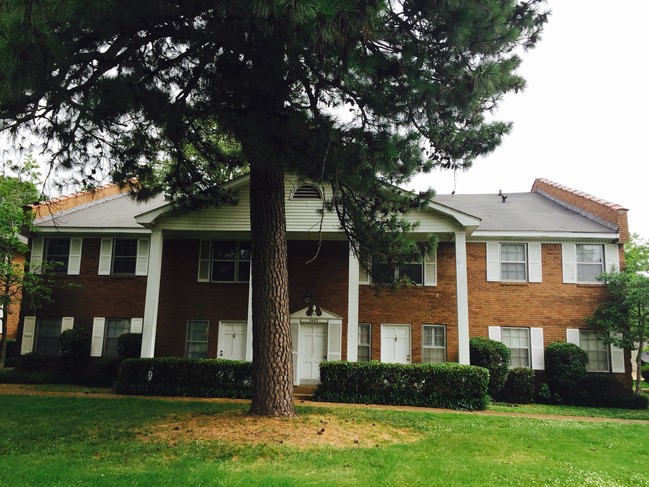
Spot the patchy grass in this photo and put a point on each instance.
(89, 440)
(552, 410)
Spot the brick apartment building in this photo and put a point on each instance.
(519, 269)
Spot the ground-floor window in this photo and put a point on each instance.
(598, 351)
(518, 342)
(197, 332)
(364, 342)
(48, 331)
(115, 327)
(433, 343)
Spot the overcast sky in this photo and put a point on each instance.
(582, 120)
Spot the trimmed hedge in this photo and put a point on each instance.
(447, 385)
(129, 345)
(493, 356)
(185, 377)
(519, 387)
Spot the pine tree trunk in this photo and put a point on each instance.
(272, 362)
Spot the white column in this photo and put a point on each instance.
(249, 325)
(462, 294)
(352, 308)
(150, 322)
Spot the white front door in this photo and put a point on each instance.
(232, 340)
(313, 351)
(395, 344)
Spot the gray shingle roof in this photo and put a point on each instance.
(522, 212)
(117, 212)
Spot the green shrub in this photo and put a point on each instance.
(129, 345)
(602, 390)
(644, 371)
(74, 349)
(32, 362)
(170, 376)
(447, 385)
(493, 356)
(519, 387)
(565, 366)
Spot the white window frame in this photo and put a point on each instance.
(433, 346)
(503, 262)
(593, 336)
(533, 264)
(206, 262)
(189, 342)
(536, 351)
(365, 345)
(610, 255)
(428, 271)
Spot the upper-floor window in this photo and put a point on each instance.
(364, 342)
(124, 256)
(584, 262)
(57, 253)
(514, 261)
(423, 272)
(590, 262)
(63, 255)
(224, 261)
(433, 343)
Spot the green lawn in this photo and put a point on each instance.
(62, 441)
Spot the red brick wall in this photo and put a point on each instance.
(597, 207)
(89, 295)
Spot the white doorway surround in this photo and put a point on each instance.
(395, 344)
(232, 340)
(315, 339)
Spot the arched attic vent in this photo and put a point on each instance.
(307, 192)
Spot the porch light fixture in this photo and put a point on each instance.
(307, 296)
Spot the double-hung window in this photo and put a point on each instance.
(57, 253)
(224, 261)
(124, 255)
(106, 333)
(598, 351)
(197, 333)
(590, 262)
(115, 327)
(48, 331)
(423, 272)
(62, 254)
(364, 342)
(433, 343)
(513, 262)
(518, 342)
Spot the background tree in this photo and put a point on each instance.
(361, 94)
(17, 188)
(625, 315)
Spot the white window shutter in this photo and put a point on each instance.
(136, 325)
(97, 341)
(617, 358)
(538, 356)
(36, 265)
(493, 261)
(430, 269)
(105, 256)
(67, 323)
(335, 341)
(74, 257)
(569, 262)
(204, 260)
(295, 328)
(495, 333)
(572, 336)
(29, 327)
(611, 258)
(535, 273)
(142, 263)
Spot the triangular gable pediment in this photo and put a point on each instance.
(326, 315)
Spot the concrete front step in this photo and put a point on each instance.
(303, 392)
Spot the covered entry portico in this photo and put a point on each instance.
(315, 339)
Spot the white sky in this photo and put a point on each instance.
(583, 119)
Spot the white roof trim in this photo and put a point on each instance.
(552, 235)
(92, 230)
(463, 219)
